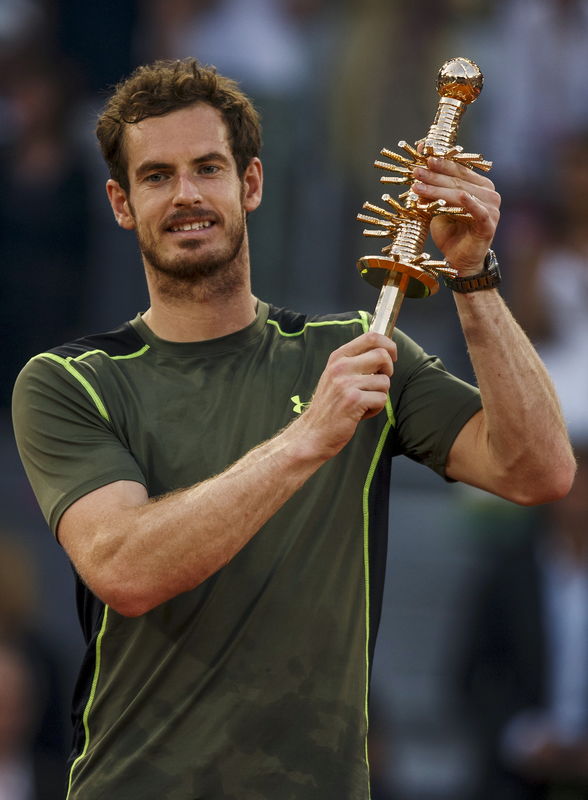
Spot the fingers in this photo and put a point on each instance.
(445, 166)
(374, 362)
(377, 382)
(462, 241)
(360, 372)
(373, 403)
(366, 343)
(443, 179)
(484, 221)
(353, 386)
(342, 401)
(355, 370)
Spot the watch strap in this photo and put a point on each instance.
(488, 278)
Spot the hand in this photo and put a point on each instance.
(354, 386)
(464, 243)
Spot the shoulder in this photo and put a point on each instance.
(67, 359)
(71, 372)
(344, 325)
(117, 343)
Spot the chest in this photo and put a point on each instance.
(187, 419)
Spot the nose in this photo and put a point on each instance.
(187, 191)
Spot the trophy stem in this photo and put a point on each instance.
(410, 237)
(387, 308)
(443, 132)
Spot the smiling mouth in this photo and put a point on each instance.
(190, 226)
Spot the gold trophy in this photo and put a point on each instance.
(403, 269)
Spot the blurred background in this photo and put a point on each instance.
(480, 685)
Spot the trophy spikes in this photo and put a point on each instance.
(403, 269)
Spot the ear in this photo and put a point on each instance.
(252, 185)
(120, 205)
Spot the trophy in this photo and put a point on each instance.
(403, 269)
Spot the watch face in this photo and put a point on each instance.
(491, 262)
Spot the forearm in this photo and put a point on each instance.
(517, 446)
(157, 549)
(524, 433)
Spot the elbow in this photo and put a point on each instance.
(130, 607)
(134, 593)
(121, 581)
(122, 589)
(547, 485)
(130, 580)
(125, 598)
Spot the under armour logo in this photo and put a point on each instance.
(299, 406)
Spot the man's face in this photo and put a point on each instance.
(186, 201)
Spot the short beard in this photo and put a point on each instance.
(188, 277)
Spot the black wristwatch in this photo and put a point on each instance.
(489, 278)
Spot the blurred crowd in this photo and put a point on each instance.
(335, 82)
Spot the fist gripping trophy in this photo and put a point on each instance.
(403, 269)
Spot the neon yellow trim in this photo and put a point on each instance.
(365, 323)
(90, 698)
(113, 358)
(366, 560)
(66, 363)
(389, 410)
(314, 325)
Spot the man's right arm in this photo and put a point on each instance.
(135, 552)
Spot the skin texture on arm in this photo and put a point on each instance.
(517, 447)
(136, 552)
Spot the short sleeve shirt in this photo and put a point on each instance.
(254, 684)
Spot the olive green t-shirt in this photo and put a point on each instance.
(253, 686)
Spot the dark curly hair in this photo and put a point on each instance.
(164, 86)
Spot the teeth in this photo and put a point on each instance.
(192, 226)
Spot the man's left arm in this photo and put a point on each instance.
(517, 447)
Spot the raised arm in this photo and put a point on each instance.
(135, 553)
(517, 446)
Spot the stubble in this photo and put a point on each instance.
(197, 273)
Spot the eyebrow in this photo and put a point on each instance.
(153, 166)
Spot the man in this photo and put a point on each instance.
(217, 469)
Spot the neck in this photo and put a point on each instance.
(218, 306)
(197, 319)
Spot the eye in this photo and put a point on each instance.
(209, 169)
(155, 177)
